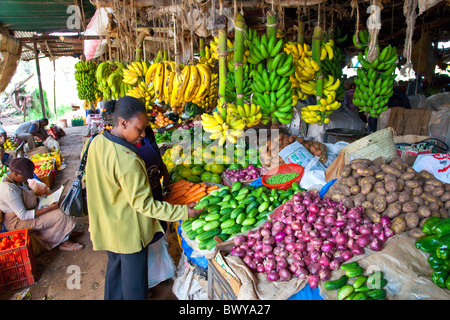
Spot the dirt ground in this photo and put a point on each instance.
(55, 268)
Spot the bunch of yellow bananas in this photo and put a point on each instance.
(250, 114)
(135, 70)
(230, 48)
(210, 101)
(327, 50)
(319, 113)
(143, 92)
(222, 130)
(210, 57)
(304, 70)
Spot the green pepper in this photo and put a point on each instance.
(442, 227)
(437, 263)
(443, 253)
(440, 278)
(429, 224)
(428, 243)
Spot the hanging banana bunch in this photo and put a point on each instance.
(211, 57)
(85, 72)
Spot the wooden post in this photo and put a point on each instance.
(54, 89)
(38, 70)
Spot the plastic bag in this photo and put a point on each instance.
(51, 144)
(39, 188)
(438, 164)
(160, 263)
(314, 176)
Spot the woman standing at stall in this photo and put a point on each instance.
(123, 214)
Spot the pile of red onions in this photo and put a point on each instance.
(251, 172)
(309, 238)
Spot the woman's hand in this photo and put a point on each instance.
(193, 212)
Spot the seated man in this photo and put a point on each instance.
(28, 130)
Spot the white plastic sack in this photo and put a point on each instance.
(160, 263)
(185, 286)
(438, 164)
(39, 188)
(314, 176)
(51, 144)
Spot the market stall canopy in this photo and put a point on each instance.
(35, 21)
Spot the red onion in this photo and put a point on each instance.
(237, 252)
(280, 236)
(260, 268)
(278, 226)
(297, 255)
(365, 229)
(301, 273)
(288, 229)
(267, 248)
(252, 265)
(269, 240)
(289, 238)
(291, 247)
(329, 220)
(319, 226)
(389, 232)
(307, 260)
(341, 238)
(327, 246)
(377, 229)
(324, 274)
(363, 240)
(297, 197)
(357, 249)
(313, 208)
(282, 263)
(347, 255)
(311, 218)
(385, 221)
(307, 227)
(382, 236)
(324, 261)
(296, 225)
(265, 232)
(340, 223)
(238, 240)
(258, 246)
(315, 255)
(251, 242)
(314, 233)
(354, 214)
(316, 242)
(301, 246)
(267, 225)
(376, 244)
(334, 265)
(273, 276)
(314, 268)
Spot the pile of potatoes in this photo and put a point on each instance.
(270, 157)
(395, 190)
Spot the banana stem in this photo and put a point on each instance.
(202, 46)
(223, 64)
(239, 58)
(301, 32)
(316, 48)
(142, 36)
(271, 24)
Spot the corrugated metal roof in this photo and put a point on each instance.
(41, 15)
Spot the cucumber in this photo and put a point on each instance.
(376, 276)
(202, 215)
(222, 193)
(377, 285)
(187, 225)
(201, 204)
(354, 272)
(248, 221)
(208, 234)
(225, 217)
(235, 229)
(335, 284)
(213, 208)
(224, 211)
(212, 216)
(345, 291)
(224, 204)
(227, 224)
(236, 186)
(197, 224)
(234, 204)
(264, 197)
(236, 212)
(376, 294)
(191, 235)
(240, 218)
(214, 200)
(350, 296)
(245, 228)
(361, 280)
(360, 296)
(253, 213)
(227, 198)
(262, 215)
(251, 206)
(263, 206)
(363, 288)
(240, 197)
(223, 236)
(207, 244)
(249, 200)
(211, 225)
(349, 265)
(244, 190)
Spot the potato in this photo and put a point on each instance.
(379, 188)
(371, 196)
(350, 182)
(438, 191)
(366, 180)
(409, 206)
(391, 185)
(393, 209)
(443, 212)
(345, 190)
(433, 206)
(408, 175)
(426, 175)
(416, 233)
(413, 183)
(374, 168)
(390, 169)
(424, 211)
(373, 215)
(379, 204)
(365, 172)
(389, 177)
(380, 175)
(391, 197)
(366, 188)
(447, 204)
(412, 220)
(418, 200)
(417, 191)
(445, 196)
(367, 205)
(435, 182)
(429, 197)
(398, 224)
(355, 189)
(447, 187)
(404, 196)
(346, 171)
(337, 197)
(358, 199)
(428, 188)
(348, 202)
(359, 165)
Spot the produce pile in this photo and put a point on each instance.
(392, 190)
(44, 169)
(309, 237)
(232, 210)
(436, 242)
(185, 192)
(11, 242)
(3, 171)
(12, 143)
(86, 81)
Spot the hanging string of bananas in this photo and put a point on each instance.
(86, 81)
(109, 77)
(211, 57)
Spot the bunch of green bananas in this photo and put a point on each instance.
(86, 82)
(230, 93)
(262, 48)
(109, 76)
(374, 82)
(210, 58)
(361, 39)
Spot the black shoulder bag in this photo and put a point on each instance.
(75, 204)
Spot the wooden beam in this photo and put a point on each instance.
(38, 70)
